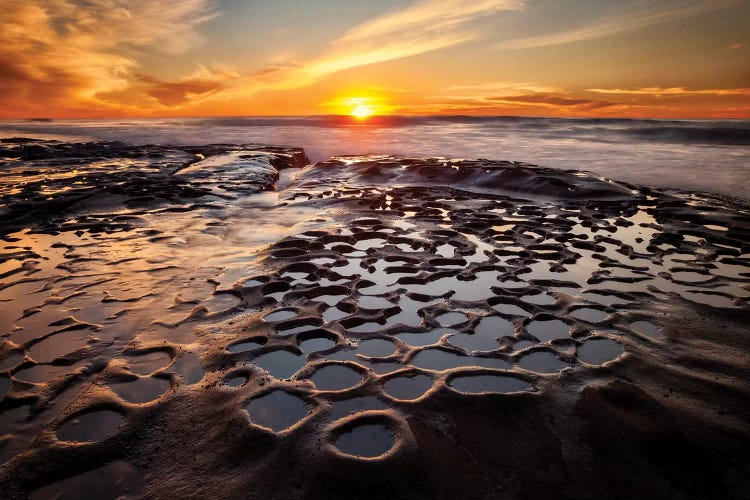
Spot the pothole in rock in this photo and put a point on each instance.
(316, 344)
(646, 328)
(237, 381)
(374, 303)
(11, 362)
(90, 427)
(335, 378)
(438, 359)
(5, 385)
(277, 410)
(333, 314)
(589, 314)
(115, 480)
(280, 363)
(494, 326)
(142, 390)
(331, 300)
(451, 318)
(188, 367)
(376, 348)
(474, 342)
(39, 374)
(57, 345)
(488, 384)
(604, 299)
(247, 345)
(343, 408)
(367, 441)
(408, 387)
(546, 330)
(540, 299)
(280, 315)
(599, 351)
(510, 310)
(146, 364)
(541, 362)
(424, 339)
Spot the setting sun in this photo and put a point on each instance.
(360, 107)
(362, 111)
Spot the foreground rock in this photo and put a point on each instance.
(382, 327)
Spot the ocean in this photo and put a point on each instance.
(700, 155)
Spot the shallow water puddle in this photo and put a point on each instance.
(115, 480)
(599, 351)
(376, 348)
(316, 344)
(11, 361)
(5, 385)
(546, 330)
(335, 378)
(374, 303)
(438, 359)
(280, 315)
(89, 427)
(44, 373)
(146, 364)
(333, 314)
(57, 345)
(188, 368)
(423, 339)
(589, 314)
(368, 441)
(481, 384)
(342, 408)
(238, 381)
(646, 328)
(408, 387)
(541, 362)
(142, 390)
(451, 318)
(247, 345)
(280, 363)
(510, 310)
(540, 299)
(277, 410)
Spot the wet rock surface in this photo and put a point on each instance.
(374, 326)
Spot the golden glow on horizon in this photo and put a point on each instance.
(358, 107)
(409, 57)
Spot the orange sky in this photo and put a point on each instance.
(618, 58)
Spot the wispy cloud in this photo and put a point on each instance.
(636, 15)
(191, 89)
(64, 54)
(430, 16)
(506, 96)
(673, 91)
(425, 26)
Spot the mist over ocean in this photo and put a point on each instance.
(702, 155)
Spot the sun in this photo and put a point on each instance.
(360, 107)
(362, 111)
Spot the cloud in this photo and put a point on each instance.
(425, 26)
(63, 54)
(672, 91)
(202, 83)
(509, 96)
(636, 15)
(429, 15)
(556, 101)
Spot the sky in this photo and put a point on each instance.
(596, 58)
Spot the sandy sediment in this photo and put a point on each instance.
(173, 325)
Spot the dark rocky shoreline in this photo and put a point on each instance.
(173, 325)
